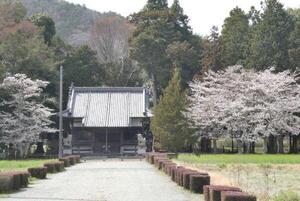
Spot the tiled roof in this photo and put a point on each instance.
(107, 107)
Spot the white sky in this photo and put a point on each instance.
(203, 13)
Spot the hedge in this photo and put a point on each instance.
(13, 180)
(54, 167)
(215, 192)
(178, 172)
(50, 167)
(24, 178)
(173, 172)
(66, 161)
(161, 163)
(72, 160)
(167, 166)
(77, 158)
(6, 183)
(236, 196)
(186, 178)
(198, 181)
(38, 172)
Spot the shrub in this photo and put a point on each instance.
(206, 192)
(24, 176)
(162, 162)
(197, 181)
(167, 167)
(151, 159)
(287, 196)
(173, 172)
(59, 166)
(72, 160)
(16, 180)
(77, 158)
(186, 178)
(6, 183)
(178, 172)
(236, 196)
(180, 176)
(157, 160)
(38, 172)
(66, 161)
(215, 191)
(50, 167)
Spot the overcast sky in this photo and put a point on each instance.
(203, 13)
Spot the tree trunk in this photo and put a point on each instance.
(290, 144)
(214, 144)
(154, 89)
(232, 146)
(240, 146)
(295, 144)
(205, 145)
(245, 147)
(252, 147)
(272, 145)
(280, 144)
(265, 145)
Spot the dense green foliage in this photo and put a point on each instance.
(234, 37)
(169, 125)
(257, 39)
(269, 41)
(24, 51)
(294, 40)
(161, 33)
(46, 24)
(239, 159)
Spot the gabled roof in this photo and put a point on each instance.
(107, 106)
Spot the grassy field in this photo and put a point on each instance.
(240, 159)
(262, 175)
(8, 165)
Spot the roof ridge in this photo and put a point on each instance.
(108, 89)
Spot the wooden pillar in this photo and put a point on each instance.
(121, 139)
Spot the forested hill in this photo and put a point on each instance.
(73, 22)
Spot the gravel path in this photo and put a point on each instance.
(110, 180)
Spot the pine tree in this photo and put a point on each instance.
(181, 20)
(169, 125)
(269, 43)
(159, 35)
(294, 40)
(156, 5)
(234, 37)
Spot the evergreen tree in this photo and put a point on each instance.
(181, 20)
(26, 53)
(156, 5)
(294, 40)
(211, 58)
(269, 43)
(160, 33)
(82, 68)
(46, 24)
(169, 125)
(234, 37)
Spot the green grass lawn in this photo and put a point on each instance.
(8, 165)
(240, 158)
(262, 175)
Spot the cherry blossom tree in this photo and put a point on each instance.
(23, 116)
(245, 105)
